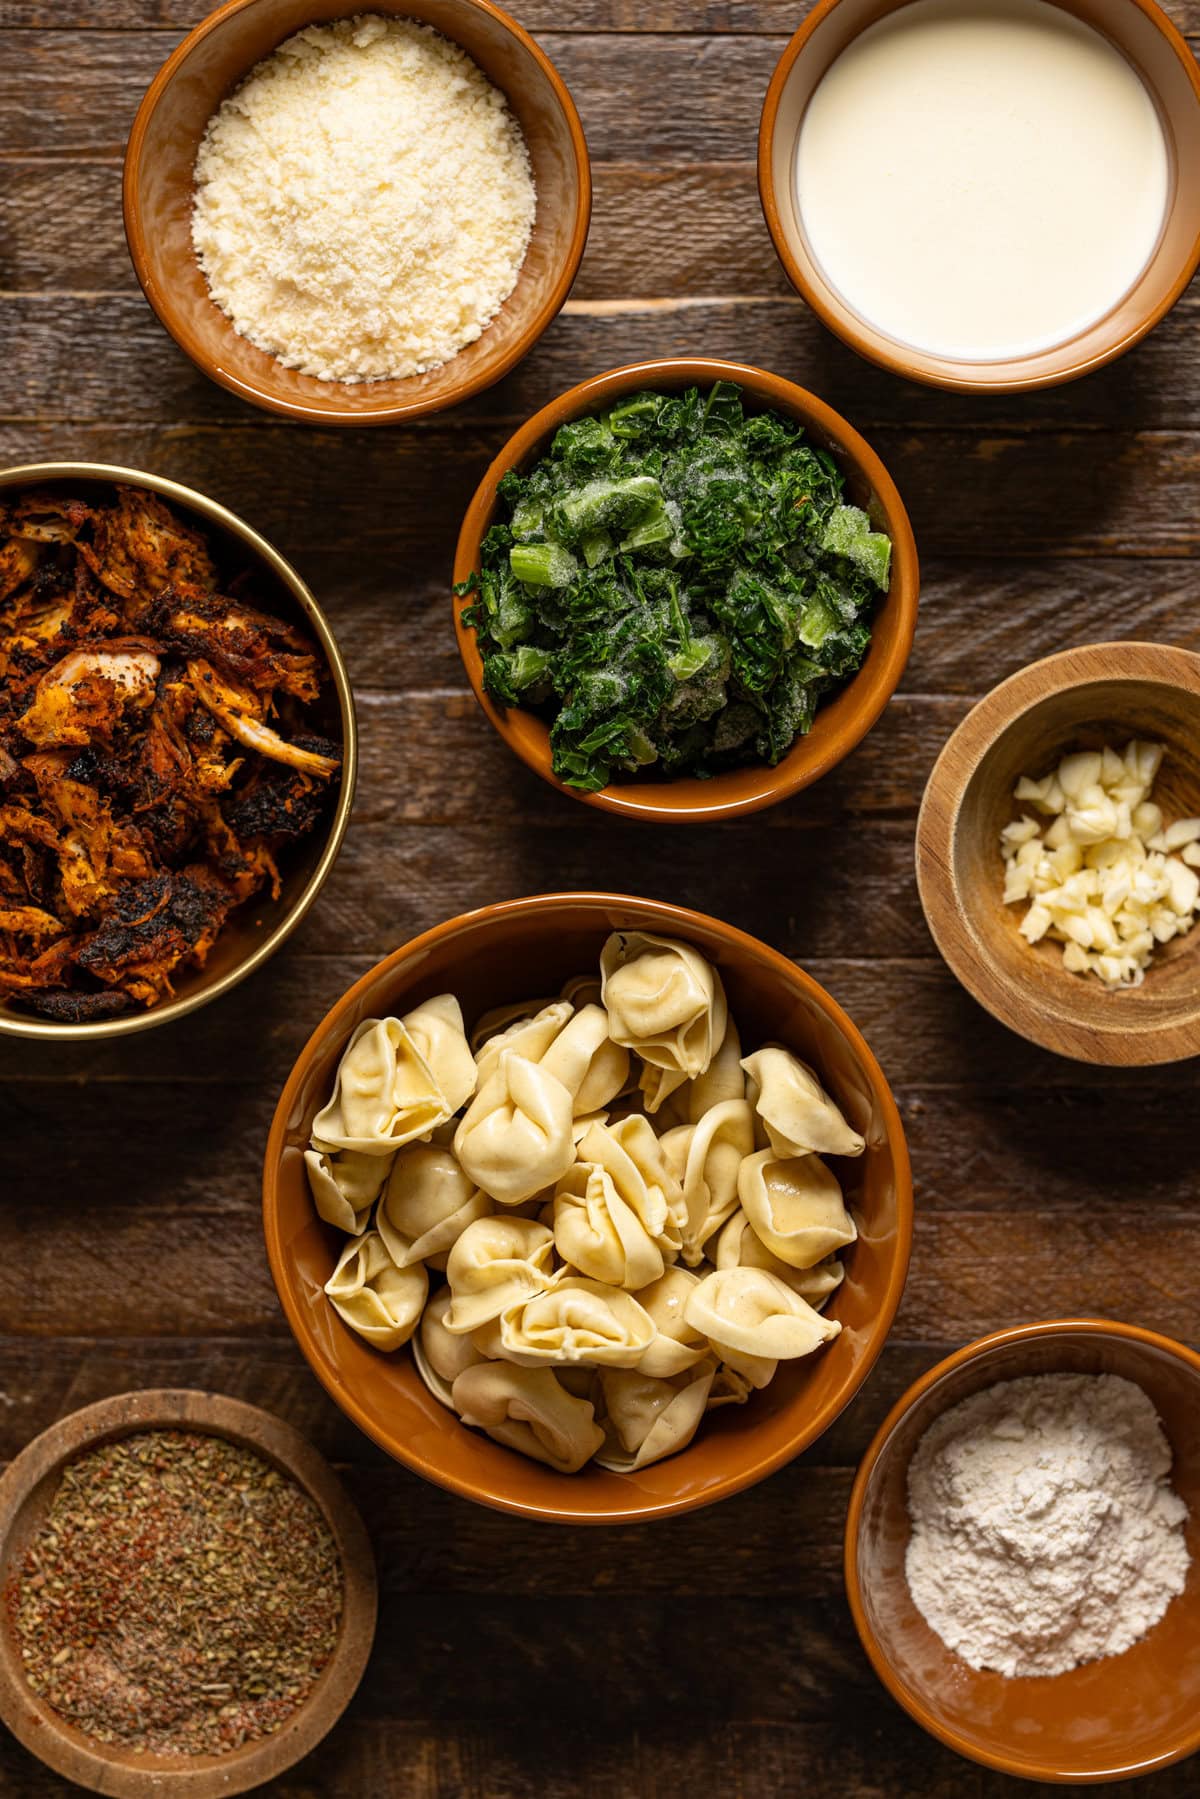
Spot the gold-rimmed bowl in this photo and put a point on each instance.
(158, 190)
(256, 930)
(1147, 40)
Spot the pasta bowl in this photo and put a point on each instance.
(1111, 1719)
(158, 187)
(506, 953)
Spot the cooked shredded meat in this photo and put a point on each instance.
(155, 757)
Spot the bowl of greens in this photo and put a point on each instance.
(685, 589)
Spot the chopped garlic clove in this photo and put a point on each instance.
(1147, 819)
(1035, 924)
(1079, 772)
(1184, 830)
(1191, 854)
(1183, 886)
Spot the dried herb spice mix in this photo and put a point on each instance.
(181, 1597)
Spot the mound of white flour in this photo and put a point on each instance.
(1045, 1532)
(364, 201)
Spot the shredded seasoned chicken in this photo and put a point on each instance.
(155, 759)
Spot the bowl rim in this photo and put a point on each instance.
(1017, 696)
(176, 325)
(31, 474)
(885, 1668)
(68, 1752)
(889, 353)
(629, 799)
(666, 916)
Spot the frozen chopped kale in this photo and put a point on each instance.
(676, 587)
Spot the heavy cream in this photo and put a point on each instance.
(981, 181)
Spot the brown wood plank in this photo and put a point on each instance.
(969, 492)
(79, 91)
(134, 374)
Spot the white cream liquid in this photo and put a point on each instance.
(981, 180)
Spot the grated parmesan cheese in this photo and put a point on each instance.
(364, 201)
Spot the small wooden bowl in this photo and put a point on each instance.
(1107, 1720)
(508, 952)
(161, 155)
(1104, 693)
(27, 1490)
(841, 722)
(1148, 40)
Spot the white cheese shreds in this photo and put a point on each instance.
(1105, 877)
(364, 201)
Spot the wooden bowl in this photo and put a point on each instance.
(841, 723)
(509, 952)
(256, 929)
(1080, 699)
(1107, 1720)
(160, 158)
(27, 1490)
(1149, 41)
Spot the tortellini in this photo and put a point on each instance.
(527, 1409)
(754, 1321)
(516, 1137)
(647, 1418)
(620, 1255)
(496, 1263)
(381, 1302)
(795, 1206)
(798, 1115)
(386, 1092)
(667, 1003)
(427, 1204)
(579, 1320)
(345, 1187)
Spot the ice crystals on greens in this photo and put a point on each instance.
(677, 586)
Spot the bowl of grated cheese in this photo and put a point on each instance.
(356, 219)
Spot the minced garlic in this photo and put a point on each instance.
(1106, 877)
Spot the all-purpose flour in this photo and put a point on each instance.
(1045, 1532)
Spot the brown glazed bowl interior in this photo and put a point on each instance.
(161, 154)
(1146, 37)
(1080, 699)
(841, 722)
(28, 1489)
(255, 930)
(515, 951)
(1106, 1720)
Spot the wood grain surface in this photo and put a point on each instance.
(713, 1654)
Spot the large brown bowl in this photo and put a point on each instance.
(1147, 38)
(27, 1491)
(509, 952)
(256, 930)
(161, 155)
(1107, 1720)
(1101, 693)
(841, 723)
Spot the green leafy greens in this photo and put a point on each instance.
(677, 586)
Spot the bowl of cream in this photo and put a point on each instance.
(987, 195)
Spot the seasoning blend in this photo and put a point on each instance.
(180, 1598)
(981, 179)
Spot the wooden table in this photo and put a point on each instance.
(711, 1656)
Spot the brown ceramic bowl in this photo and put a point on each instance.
(27, 1490)
(256, 930)
(1149, 41)
(530, 946)
(1107, 1720)
(1079, 699)
(161, 154)
(842, 722)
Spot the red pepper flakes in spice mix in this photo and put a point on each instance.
(181, 1597)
